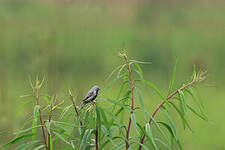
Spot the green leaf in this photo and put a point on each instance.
(116, 103)
(158, 127)
(109, 140)
(119, 145)
(65, 110)
(61, 137)
(28, 129)
(39, 147)
(109, 85)
(183, 103)
(156, 90)
(146, 148)
(173, 77)
(64, 124)
(63, 132)
(163, 143)
(35, 119)
(48, 126)
(141, 101)
(150, 136)
(120, 70)
(51, 144)
(98, 121)
(194, 73)
(119, 111)
(85, 139)
(86, 120)
(24, 125)
(17, 139)
(140, 62)
(169, 128)
(20, 107)
(184, 121)
(197, 102)
(121, 89)
(196, 113)
(141, 128)
(133, 120)
(117, 68)
(26, 145)
(114, 117)
(140, 72)
(171, 123)
(105, 120)
(140, 98)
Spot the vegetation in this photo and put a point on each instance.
(111, 121)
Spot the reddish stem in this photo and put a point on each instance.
(132, 100)
(160, 105)
(96, 137)
(74, 106)
(41, 121)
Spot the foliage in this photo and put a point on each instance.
(114, 125)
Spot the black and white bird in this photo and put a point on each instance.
(91, 95)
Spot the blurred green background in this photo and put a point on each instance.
(76, 43)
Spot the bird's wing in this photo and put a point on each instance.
(89, 94)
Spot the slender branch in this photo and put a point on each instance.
(161, 104)
(96, 136)
(131, 83)
(49, 135)
(40, 117)
(75, 108)
(49, 119)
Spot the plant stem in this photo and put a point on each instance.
(131, 83)
(96, 136)
(40, 117)
(49, 135)
(161, 104)
(75, 108)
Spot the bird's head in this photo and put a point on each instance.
(96, 88)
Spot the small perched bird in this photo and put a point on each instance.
(91, 95)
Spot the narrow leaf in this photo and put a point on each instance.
(150, 136)
(140, 72)
(196, 113)
(35, 119)
(98, 121)
(62, 138)
(105, 120)
(184, 121)
(39, 147)
(171, 123)
(26, 145)
(119, 146)
(17, 139)
(197, 102)
(183, 103)
(163, 143)
(85, 139)
(194, 72)
(133, 120)
(156, 90)
(28, 129)
(173, 77)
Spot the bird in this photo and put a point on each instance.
(91, 95)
